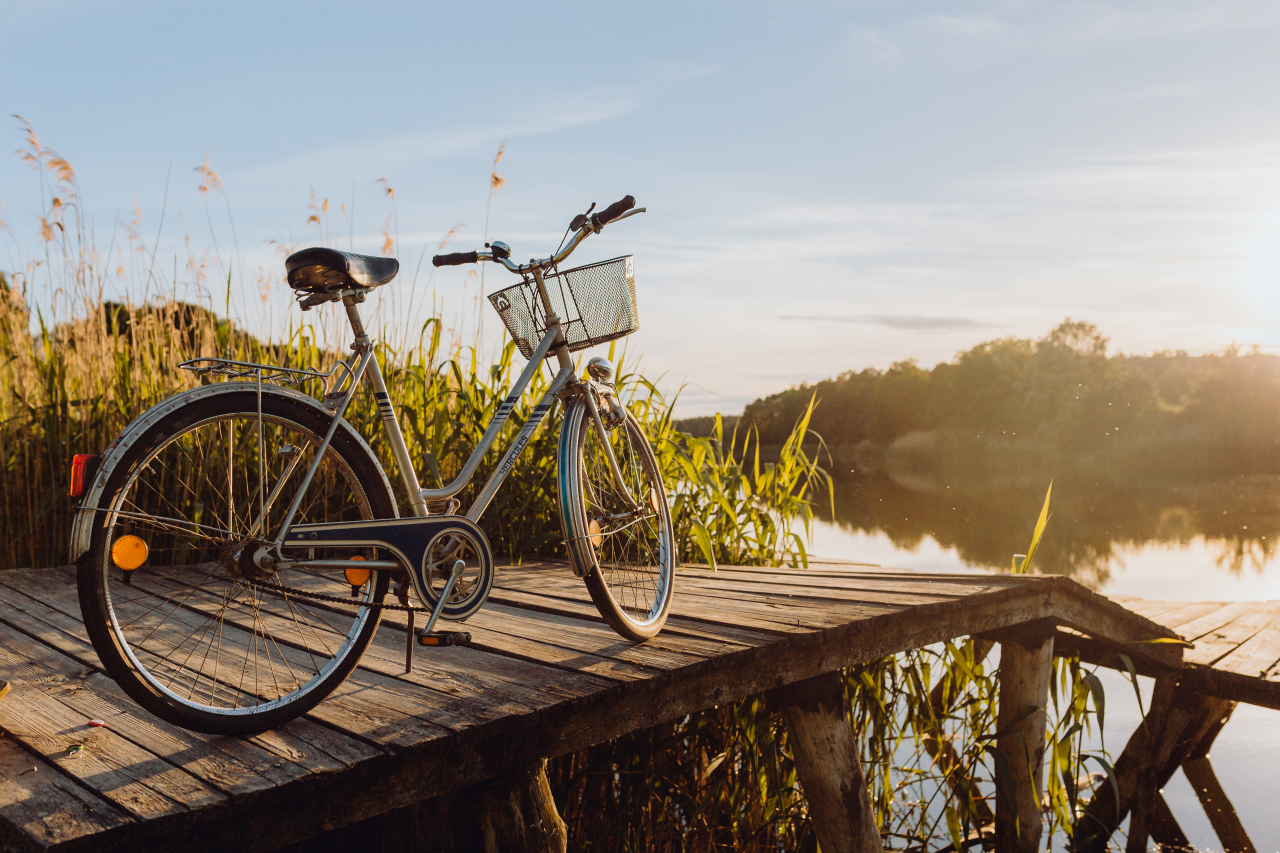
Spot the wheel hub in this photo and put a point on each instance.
(253, 563)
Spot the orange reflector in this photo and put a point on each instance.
(595, 534)
(357, 577)
(83, 467)
(129, 552)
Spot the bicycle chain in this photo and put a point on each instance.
(320, 596)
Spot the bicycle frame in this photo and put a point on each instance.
(367, 365)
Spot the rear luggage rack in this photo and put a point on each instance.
(334, 378)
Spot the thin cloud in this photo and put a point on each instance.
(410, 149)
(900, 321)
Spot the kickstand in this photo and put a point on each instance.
(402, 595)
(408, 647)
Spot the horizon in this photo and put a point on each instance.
(842, 185)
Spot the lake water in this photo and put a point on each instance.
(1169, 571)
(1188, 542)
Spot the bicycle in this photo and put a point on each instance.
(235, 543)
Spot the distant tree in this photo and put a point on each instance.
(1062, 391)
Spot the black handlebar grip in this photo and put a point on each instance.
(613, 211)
(455, 259)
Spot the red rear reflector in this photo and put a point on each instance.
(83, 467)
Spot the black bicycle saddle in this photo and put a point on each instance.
(320, 270)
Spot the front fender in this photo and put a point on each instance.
(81, 525)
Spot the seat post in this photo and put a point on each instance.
(353, 314)
(412, 486)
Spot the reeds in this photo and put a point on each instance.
(74, 373)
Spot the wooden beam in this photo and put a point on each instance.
(1098, 616)
(514, 813)
(1026, 668)
(1222, 815)
(827, 764)
(1164, 826)
(1146, 765)
(1162, 731)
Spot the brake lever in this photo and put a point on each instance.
(581, 219)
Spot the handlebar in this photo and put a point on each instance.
(455, 259)
(588, 225)
(613, 211)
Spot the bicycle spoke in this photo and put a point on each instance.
(198, 629)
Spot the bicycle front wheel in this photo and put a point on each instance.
(185, 623)
(620, 543)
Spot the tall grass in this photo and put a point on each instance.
(74, 372)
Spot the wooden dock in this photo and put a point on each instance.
(544, 676)
(1236, 645)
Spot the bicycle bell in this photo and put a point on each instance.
(600, 369)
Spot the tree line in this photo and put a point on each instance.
(1059, 395)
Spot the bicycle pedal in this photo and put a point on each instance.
(443, 638)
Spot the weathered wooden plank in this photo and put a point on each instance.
(496, 627)
(1256, 657)
(1216, 644)
(407, 713)
(752, 609)
(1262, 692)
(784, 590)
(369, 706)
(993, 578)
(1153, 609)
(1213, 620)
(135, 780)
(730, 612)
(949, 585)
(41, 808)
(838, 578)
(229, 765)
(677, 625)
(570, 597)
(466, 686)
(1183, 614)
(39, 618)
(301, 742)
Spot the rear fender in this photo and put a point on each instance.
(82, 523)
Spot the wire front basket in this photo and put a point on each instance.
(595, 304)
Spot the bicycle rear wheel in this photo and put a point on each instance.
(184, 624)
(625, 555)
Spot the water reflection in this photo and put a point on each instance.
(1094, 525)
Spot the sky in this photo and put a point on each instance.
(829, 185)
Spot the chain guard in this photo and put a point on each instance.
(407, 538)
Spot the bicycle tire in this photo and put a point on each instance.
(189, 583)
(629, 566)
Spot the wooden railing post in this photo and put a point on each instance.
(1026, 666)
(514, 812)
(827, 764)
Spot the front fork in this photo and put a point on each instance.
(617, 417)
